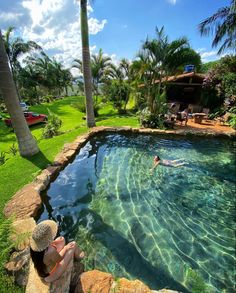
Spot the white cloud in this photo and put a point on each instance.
(55, 25)
(9, 16)
(173, 2)
(200, 50)
(208, 54)
(95, 25)
(39, 10)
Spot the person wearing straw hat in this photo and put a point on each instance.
(51, 256)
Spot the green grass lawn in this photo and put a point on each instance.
(72, 125)
(18, 171)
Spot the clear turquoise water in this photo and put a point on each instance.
(155, 227)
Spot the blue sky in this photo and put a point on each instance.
(116, 26)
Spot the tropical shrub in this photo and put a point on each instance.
(229, 84)
(82, 108)
(155, 119)
(79, 106)
(220, 83)
(205, 67)
(53, 125)
(117, 91)
(232, 110)
(47, 99)
(232, 121)
(151, 120)
(6, 281)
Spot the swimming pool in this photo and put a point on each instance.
(156, 227)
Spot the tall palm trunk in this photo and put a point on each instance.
(26, 142)
(86, 64)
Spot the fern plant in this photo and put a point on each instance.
(6, 281)
(3, 158)
(13, 149)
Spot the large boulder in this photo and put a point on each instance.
(42, 181)
(25, 203)
(94, 281)
(78, 269)
(165, 291)
(136, 286)
(18, 266)
(37, 285)
(21, 233)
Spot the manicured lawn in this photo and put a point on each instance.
(18, 171)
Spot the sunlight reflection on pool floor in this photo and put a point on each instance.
(155, 227)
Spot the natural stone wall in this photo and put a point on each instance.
(25, 203)
(22, 230)
(99, 282)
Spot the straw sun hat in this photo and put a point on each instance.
(44, 233)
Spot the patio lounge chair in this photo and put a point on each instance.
(174, 108)
(223, 119)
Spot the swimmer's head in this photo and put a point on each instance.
(157, 158)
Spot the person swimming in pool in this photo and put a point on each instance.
(170, 163)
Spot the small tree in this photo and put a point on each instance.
(52, 127)
(117, 91)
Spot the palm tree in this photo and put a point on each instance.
(16, 47)
(223, 25)
(86, 64)
(100, 64)
(117, 84)
(158, 59)
(49, 73)
(26, 142)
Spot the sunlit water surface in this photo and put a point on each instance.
(160, 228)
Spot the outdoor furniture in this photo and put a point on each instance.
(206, 111)
(182, 116)
(223, 119)
(174, 108)
(198, 117)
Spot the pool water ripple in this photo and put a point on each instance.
(155, 227)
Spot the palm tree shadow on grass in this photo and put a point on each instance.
(39, 160)
(121, 249)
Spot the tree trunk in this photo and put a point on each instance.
(86, 64)
(26, 142)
